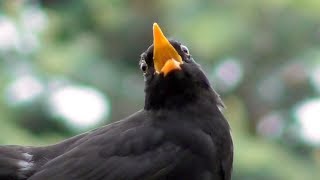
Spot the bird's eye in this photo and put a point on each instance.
(143, 66)
(185, 50)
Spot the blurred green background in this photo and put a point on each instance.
(67, 66)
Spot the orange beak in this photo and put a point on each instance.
(165, 57)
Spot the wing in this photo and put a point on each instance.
(152, 164)
(133, 152)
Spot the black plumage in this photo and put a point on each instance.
(179, 134)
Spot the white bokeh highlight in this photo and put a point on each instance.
(308, 115)
(81, 107)
(9, 35)
(24, 89)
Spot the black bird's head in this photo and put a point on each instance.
(172, 78)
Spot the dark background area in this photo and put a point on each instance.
(70, 66)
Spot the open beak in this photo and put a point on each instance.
(165, 57)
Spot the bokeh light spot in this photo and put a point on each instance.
(271, 125)
(9, 36)
(82, 107)
(227, 75)
(24, 89)
(308, 114)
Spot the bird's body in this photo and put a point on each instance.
(180, 134)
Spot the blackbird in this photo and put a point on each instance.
(179, 134)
